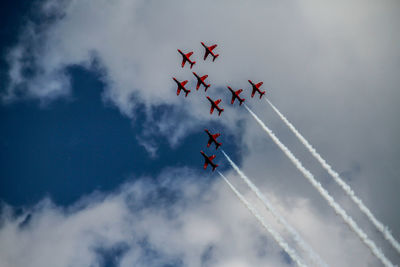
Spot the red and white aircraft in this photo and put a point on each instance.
(181, 86)
(200, 81)
(208, 160)
(186, 57)
(209, 50)
(214, 104)
(235, 95)
(212, 138)
(256, 87)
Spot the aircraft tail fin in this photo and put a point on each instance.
(214, 166)
(261, 94)
(215, 57)
(187, 92)
(218, 145)
(241, 101)
(191, 64)
(208, 85)
(219, 111)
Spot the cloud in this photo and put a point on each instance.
(174, 218)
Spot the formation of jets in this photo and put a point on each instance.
(212, 138)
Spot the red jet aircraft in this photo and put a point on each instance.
(186, 57)
(181, 86)
(214, 104)
(209, 50)
(208, 160)
(235, 95)
(200, 81)
(256, 87)
(213, 139)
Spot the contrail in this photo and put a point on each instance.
(382, 228)
(338, 209)
(314, 256)
(278, 238)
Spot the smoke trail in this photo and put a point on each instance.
(382, 228)
(338, 209)
(278, 238)
(315, 257)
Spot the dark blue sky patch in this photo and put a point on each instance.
(111, 257)
(151, 257)
(74, 146)
(13, 15)
(13, 18)
(207, 256)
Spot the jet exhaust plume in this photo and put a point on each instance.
(337, 208)
(314, 256)
(277, 237)
(380, 226)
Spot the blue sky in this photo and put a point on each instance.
(98, 152)
(71, 147)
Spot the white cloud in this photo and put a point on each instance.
(204, 225)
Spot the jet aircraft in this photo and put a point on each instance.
(256, 87)
(235, 95)
(212, 138)
(214, 104)
(186, 57)
(209, 50)
(200, 81)
(181, 86)
(208, 160)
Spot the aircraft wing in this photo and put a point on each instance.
(212, 47)
(178, 91)
(209, 142)
(184, 82)
(205, 165)
(212, 110)
(183, 62)
(217, 101)
(259, 84)
(189, 54)
(239, 91)
(212, 157)
(252, 93)
(206, 54)
(216, 135)
(204, 77)
(233, 99)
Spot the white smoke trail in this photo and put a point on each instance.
(314, 256)
(382, 228)
(278, 238)
(338, 209)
